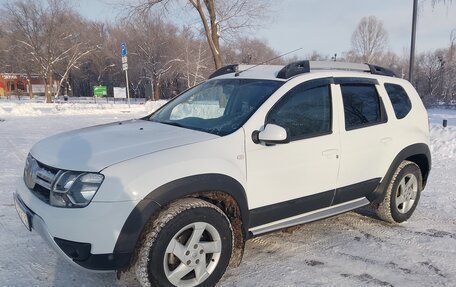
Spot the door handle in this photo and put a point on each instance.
(331, 153)
(386, 140)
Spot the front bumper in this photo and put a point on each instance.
(86, 237)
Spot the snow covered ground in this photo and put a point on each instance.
(354, 249)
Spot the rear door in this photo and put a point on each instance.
(366, 139)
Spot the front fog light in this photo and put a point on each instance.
(75, 189)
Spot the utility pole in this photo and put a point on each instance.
(412, 44)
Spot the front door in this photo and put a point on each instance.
(285, 180)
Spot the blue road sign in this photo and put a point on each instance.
(123, 49)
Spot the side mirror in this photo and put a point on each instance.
(271, 134)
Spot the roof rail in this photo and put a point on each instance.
(377, 70)
(225, 70)
(294, 69)
(306, 66)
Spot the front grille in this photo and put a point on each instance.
(45, 176)
(42, 193)
(41, 177)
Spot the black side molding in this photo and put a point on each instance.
(355, 191)
(286, 209)
(289, 208)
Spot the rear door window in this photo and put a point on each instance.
(362, 105)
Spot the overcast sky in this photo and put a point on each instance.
(327, 25)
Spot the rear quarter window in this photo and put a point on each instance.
(399, 99)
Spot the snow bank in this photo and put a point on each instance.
(443, 140)
(27, 109)
(436, 116)
(152, 106)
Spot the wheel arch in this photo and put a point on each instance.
(423, 162)
(221, 190)
(419, 154)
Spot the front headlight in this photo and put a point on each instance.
(74, 189)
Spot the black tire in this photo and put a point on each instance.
(180, 223)
(391, 209)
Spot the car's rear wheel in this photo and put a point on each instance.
(402, 195)
(189, 244)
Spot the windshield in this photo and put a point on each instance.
(219, 106)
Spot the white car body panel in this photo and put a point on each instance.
(94, 148)
(136, 178)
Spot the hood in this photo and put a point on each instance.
(95, 148)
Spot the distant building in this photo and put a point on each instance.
(13, 84)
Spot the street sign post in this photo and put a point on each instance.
(123, 53)
(123, 49)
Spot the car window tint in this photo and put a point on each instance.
(361, 105)
(304, 112)
(399, 99)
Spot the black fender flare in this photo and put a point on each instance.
(408, 153)
(155, 200)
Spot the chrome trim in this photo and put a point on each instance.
(310, 216)
(30, 172)
(37, 174)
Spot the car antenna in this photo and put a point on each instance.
(262, 63)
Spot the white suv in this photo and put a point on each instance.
(176, 194)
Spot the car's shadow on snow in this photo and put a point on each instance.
(68, 275)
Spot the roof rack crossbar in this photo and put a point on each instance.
(294, 69)
(225, 70)
(377, 70)
(306, 66)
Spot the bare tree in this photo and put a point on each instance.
(196, 59)
(249, 50)
(428, 81)
(218, 18)
(151, 40)
(48, 31)
(446, 2)
(316, 56)
(370, 39)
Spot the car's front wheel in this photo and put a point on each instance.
(189, 244)
(402, 195)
